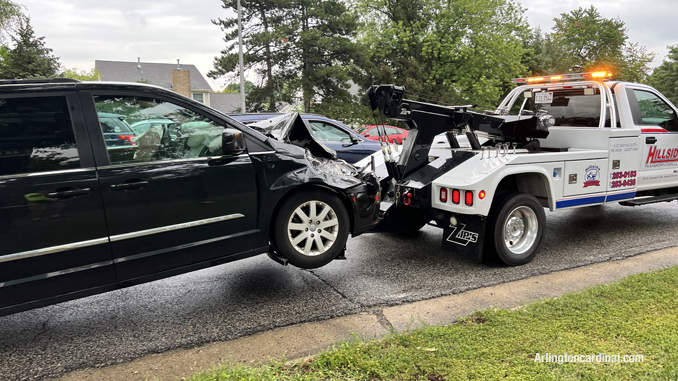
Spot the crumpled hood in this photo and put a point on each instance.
(290, 128)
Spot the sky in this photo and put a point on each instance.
(82, 31)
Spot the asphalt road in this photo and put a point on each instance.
(257, 294)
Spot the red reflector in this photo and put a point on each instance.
(456, 196)
(443, 194)
(481, 194)
(469, 198)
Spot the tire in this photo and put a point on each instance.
(296, 228)
(402, 219)
(515, 228)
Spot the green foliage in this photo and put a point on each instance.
(634, 317)
(234, 88)
(11, 15)
(265, 51)
(29, 58)
(665, 77)
(452, 51)
(583, 40)
(83, 75)
(293, 46)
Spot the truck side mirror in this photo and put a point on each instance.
(367, 135)
(233, 142)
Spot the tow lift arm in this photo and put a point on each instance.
(426, 120)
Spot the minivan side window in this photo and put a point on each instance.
(653, 111)
(142, 129)
(36, 135)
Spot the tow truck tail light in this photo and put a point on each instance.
(468, 198)
(456, 196)
(443, 194)
(481, 194)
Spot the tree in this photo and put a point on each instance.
(593, 42)
(11, 14)
(29, 58)
(445, 51)
(321, 46)
(92, 75)
(234, 88)
(665, 77)
(265, 38)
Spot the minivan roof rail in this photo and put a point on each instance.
(37, 80)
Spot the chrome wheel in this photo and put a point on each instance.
(313, 228)
(521, 230)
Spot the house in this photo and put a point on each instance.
(180, 78)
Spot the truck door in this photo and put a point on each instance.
(53, 237)
(170, 202)
(658, 121)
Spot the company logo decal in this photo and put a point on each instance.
(592, 176)
(463, 237)
(662, 155)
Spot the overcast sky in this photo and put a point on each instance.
(81, 31)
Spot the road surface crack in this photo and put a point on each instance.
(328, 284)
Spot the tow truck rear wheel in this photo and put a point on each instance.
(516, 228)
(311, 228)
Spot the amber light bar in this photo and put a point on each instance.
(601, 75)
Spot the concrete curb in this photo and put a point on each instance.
(306, 339)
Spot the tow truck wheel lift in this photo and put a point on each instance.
(516, 220)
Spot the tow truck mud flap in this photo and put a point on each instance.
(466, 237)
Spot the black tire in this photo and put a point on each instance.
(402, 219)
(299, 241)
(524, 217)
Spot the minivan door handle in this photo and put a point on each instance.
(130, 185)
(650, 140)
(69, 193)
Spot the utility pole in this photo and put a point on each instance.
(240, 59)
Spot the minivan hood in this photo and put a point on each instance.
(290, 128)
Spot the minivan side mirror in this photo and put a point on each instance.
(233, 142)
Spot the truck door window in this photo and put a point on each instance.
(161, 130)
(653, 111)
(36, 135)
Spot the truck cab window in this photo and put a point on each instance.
(36, 135)
(653, 111)
(139, 129)
(571, 107)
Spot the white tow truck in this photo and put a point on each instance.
(556, 142)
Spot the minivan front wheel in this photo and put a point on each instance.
(311, 228)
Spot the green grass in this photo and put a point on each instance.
(637, 316)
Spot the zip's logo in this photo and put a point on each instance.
(463, 237)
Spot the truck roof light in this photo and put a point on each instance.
(604, 75)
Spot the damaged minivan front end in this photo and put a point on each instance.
(301, 165)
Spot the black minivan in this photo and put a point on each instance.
(79, 216)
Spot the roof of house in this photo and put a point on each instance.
(224, 102)
(159, 74)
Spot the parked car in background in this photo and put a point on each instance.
(116, 131)
(348, 144)
(395, 134)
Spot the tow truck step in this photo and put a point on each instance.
(650, 200)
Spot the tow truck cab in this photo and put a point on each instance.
(554, 142)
